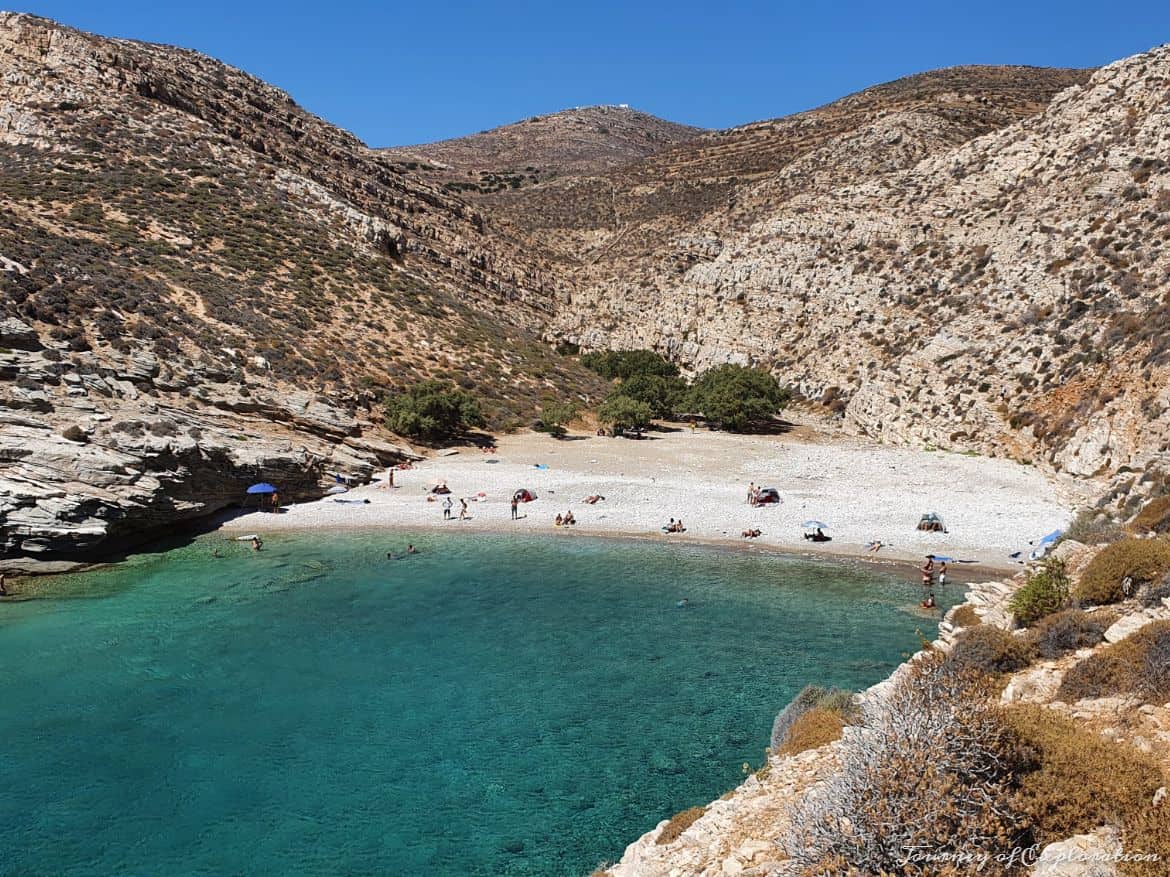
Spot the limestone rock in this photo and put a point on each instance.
(1083, 855)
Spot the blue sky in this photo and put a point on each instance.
(398, 73)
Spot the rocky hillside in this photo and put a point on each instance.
(181, 246)
(1004, 296)
(581, 141)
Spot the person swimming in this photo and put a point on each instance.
(683, 603)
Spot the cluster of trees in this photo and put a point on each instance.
(733, 397)
(646, 387)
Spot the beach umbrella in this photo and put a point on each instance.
(262, 487)
(815, 525)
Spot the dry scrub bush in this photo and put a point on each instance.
(965, 616)
(1093, 528)
(928, 771)
(988, 650)
(1068, 631)
(1155, 515)
(679, 823)
(1140, 560)
(1155, 594)
(1138, 664)
(1082, 780)
(808, 698)
(1045, 592)
(816, 727)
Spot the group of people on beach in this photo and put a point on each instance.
(449, 504)
(674, 526)
(565, 520)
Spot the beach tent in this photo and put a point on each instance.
(1045, 544)
(768, 496)
(524, 495)
(932, 522)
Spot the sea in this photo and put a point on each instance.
(492, 705)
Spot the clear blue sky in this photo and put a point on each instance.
(408, 72)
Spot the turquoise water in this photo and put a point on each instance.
(494, 705)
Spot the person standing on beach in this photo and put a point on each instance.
(515, 506)
(752, 493)
(447, 504)
(462, 509)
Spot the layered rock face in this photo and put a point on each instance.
(1005, 296)
(98, 453)
(203, 285)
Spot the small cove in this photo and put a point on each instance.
(493, 705)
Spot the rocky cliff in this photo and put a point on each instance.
(1005, 296)
(204, 285)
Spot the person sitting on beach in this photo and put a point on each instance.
(559, 521)
(569, 519)
(929, 603)
(675, 526)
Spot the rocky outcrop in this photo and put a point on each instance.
(100, 452)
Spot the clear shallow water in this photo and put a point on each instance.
(494, 705)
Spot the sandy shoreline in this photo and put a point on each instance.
(862, 490)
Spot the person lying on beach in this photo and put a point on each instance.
(818, 536)
(751, 534)
(875, 545)
(594, 498)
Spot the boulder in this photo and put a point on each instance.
(1083, 855)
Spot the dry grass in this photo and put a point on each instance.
(1140, 560)
(1139, 664)
(1155, 515)
(679, 823)
(1081, 781)
(815, 728)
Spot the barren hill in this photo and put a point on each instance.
(182, 246)
(585, 140)
(1006, 295)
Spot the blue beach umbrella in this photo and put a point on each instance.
(262, 487)
(815, 525)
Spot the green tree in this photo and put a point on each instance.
(554, 414)
(622, 412)
(736, 397)
(624, 364)
(432, 410)
(664, 394)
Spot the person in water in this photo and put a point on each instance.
(929, 603)
(928, 571)
(683, 603)
(942, 573)
(256, 543)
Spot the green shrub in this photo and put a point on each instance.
(622, 412)
(737, 398)
(663, 394)
(625, 364)
(1139, 560)
(1045, 592)
(432, 410)
(554, 414)
(988, 650)
(679, 823)
(1138, 664)
(1067, 631)
(1155, 515)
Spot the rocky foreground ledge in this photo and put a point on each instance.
(101, 449)
(742, 832)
